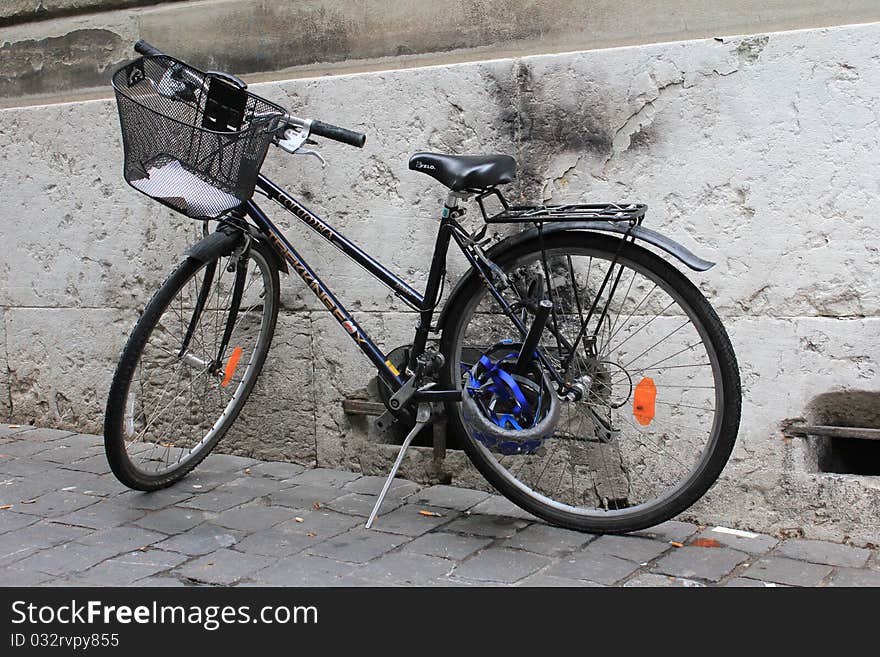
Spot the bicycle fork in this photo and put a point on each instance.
(239, 264)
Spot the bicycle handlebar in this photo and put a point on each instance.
(336, 133)
(319, 128)
(145, 48)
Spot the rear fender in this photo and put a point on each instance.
(641, 233)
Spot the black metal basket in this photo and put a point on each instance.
(193, 141)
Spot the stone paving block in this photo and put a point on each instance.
(15, 546)
(544, 539)
(172, 521)
(756, 545)
(158, 581)
(67, 558)
(220, 499)
(358, 504)
(652, 580)
(12, 521)
(787, 571)
(65, 454)
(105, 513)
(320, 525)
(305, 496)
(855, 577)
(253, 517)
(450, 497)
(15, 576)
(411, 520)
(357, 545)
(482, 525)
(226, 463)
(261, 486)
(500, 565)
(700, 563)
(51, 435)
(275, 470)
(202, 539)
(832, 554)
(324, 477)
(14, 489)
(223, 567)
(593, 567)
(745, 582)
(96, 464)
(56, 503)
(497, 505)
(24, 447)
(13, 467)
(405, 568)
(447, 546)
(204, 482)
(549, 581)
(372, 485)
(130, 567)
(303, 570)
(274, 543)
(671, 530)
(36, 537)
(155, 500)
(122, 539)
(102, 486)
(442, 582)
(633, 548)
(7, 430)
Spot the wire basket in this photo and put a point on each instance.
(193, 141)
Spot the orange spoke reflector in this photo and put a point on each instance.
(643, 401)
(232, 363)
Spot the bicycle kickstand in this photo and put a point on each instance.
(423, 417)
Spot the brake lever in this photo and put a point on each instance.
(309, 151)
(294, 143)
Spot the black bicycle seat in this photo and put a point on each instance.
(466, 172)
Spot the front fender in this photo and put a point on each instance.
(652, 237)
(222, 241)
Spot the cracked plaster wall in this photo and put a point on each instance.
(760, 153)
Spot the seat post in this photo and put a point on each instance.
(452, 200)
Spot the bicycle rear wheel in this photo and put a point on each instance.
(173, 399)
(660, 404)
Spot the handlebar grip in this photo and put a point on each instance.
(145, 48)
(338, 134)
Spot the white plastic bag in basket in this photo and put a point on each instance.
(173, 184)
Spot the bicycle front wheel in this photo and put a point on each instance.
(658, 390)
(177, 389)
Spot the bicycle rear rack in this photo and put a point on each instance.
(628, 212)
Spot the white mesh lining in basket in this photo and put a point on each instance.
(173, 184)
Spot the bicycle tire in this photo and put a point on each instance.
(120, 462)
(600, 521)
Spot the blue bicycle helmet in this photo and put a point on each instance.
(508, 413)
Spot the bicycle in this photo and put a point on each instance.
(587, 379)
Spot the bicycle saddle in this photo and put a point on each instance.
(466, 172)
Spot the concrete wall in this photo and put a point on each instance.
(759, 152)
(90, 38)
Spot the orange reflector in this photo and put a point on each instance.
(643, 401)
(231, 364)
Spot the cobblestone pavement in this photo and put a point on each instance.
(65, 520)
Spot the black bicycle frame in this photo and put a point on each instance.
(424, 304)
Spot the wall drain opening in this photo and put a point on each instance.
(842, 430)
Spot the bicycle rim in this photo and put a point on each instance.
(178, 402)
(644, 434)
